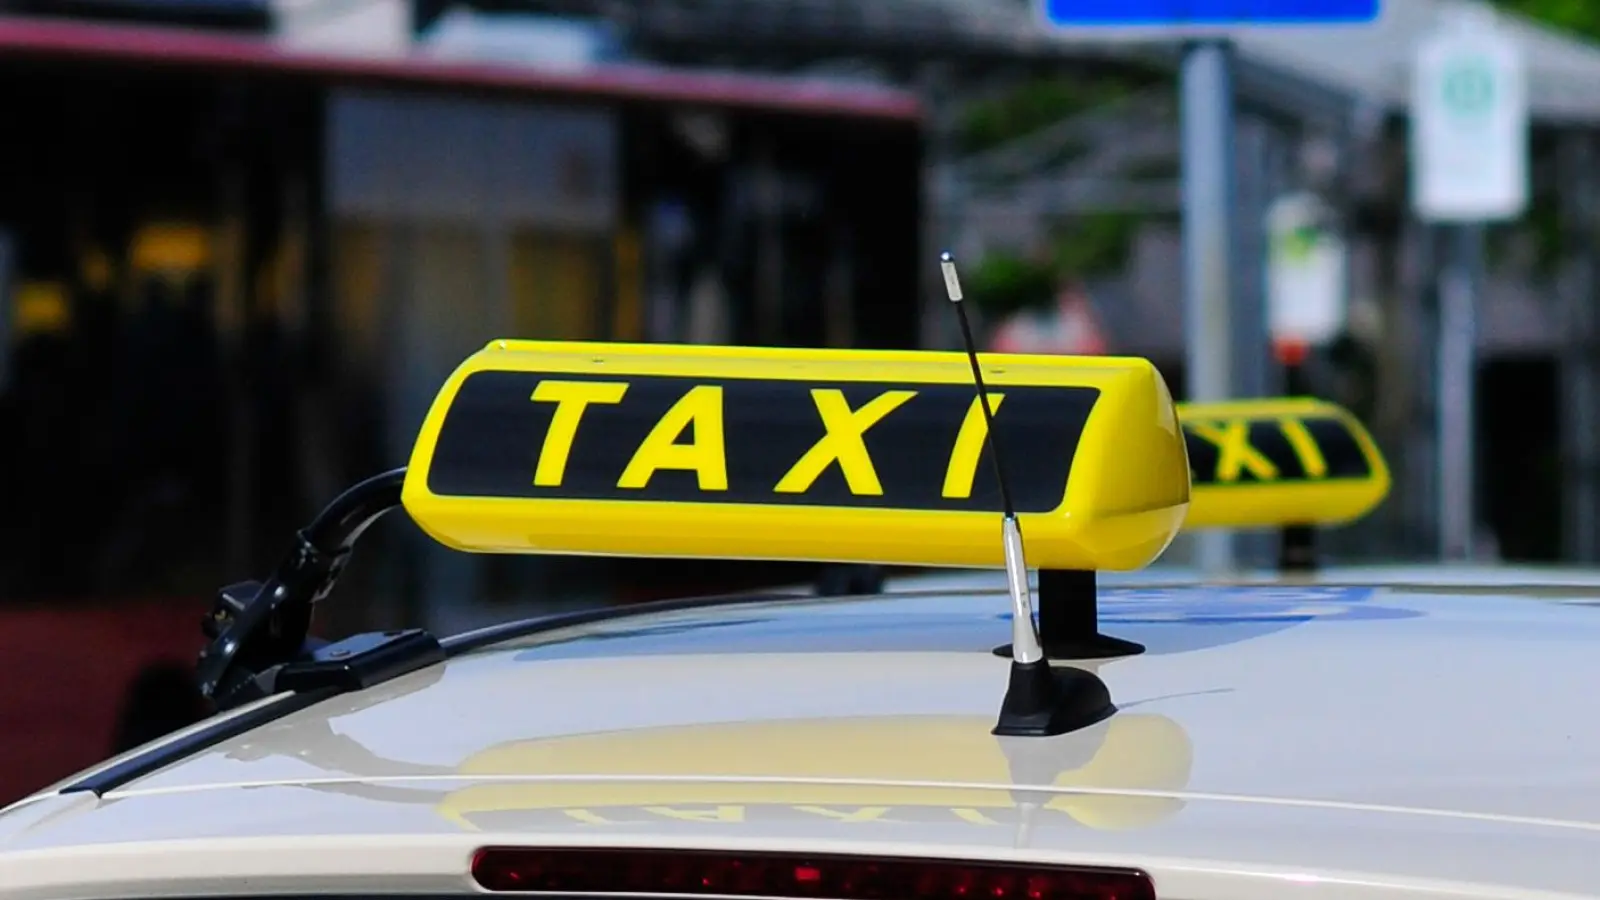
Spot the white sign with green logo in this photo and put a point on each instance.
(1305, 271)
(1469, 125)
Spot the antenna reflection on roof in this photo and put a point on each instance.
(1041, 700)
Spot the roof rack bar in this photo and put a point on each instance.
(261, 630)
(214, 731)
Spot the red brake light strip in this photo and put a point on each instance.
(570, 870)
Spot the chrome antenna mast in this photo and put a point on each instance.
(1025, 646)
(1041, 700)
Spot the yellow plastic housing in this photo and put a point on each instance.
(712, 452)
(1280, 462)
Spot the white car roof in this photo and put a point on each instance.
(1376, 739)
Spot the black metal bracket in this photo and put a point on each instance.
(260, 631)
(1297, 549)
(1069, 619)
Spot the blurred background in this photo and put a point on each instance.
(242, 242)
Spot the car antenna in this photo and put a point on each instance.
(1041, 699)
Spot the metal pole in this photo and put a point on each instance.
(1207, 136)
(1247, 301)
(1408, 383)
(1456, 392)
(1580, 427)
(1253, 188)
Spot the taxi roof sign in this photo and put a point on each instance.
(816, 455)
(1280, 462)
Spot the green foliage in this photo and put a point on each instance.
(1005, 283)
(1035, 105)
(1088, 246)
(1581, 17)
(1098, 244)
(1545, 219)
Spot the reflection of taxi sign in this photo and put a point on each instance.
(797, 454)
(722, 775)
(1267, 463)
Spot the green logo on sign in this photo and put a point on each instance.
(1469, 87)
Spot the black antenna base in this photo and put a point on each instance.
(1044, 700)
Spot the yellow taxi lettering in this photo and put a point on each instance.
(1234, 452)
(842, 442)
(864, 814)
(706, 456)
(590, 818)
(972, 816)
(963, 468)
(571, 399)
(715, 814)
(1305, 447)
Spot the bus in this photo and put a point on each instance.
(235, 273)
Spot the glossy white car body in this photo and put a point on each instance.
(1273, 741)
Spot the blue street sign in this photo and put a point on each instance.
(1207, 13)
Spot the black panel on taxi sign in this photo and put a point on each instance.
(659, 438)
(1242, 451)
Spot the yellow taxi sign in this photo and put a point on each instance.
(795, 454)
(1279, 462)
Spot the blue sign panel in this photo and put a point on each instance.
(1206, 13)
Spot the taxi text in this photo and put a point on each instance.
(1275, 449)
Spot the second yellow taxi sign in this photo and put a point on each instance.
(1271, 463)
